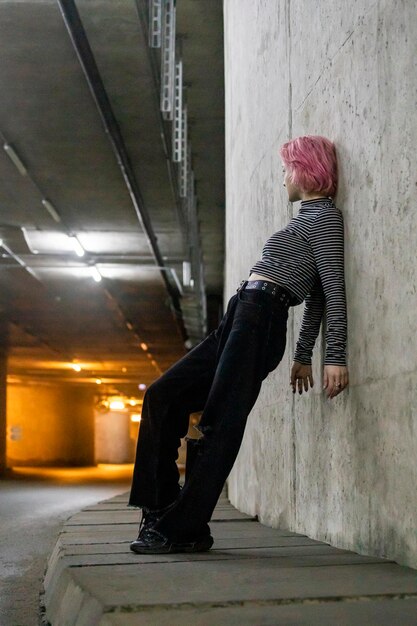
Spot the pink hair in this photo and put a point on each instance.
(312, 163)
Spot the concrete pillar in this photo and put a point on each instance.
(113, 443)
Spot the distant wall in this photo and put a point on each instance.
(50, 425)
(342, 471)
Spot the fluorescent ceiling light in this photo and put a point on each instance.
(15, 158)
(186, 273)
(52, 242)
(48, 241)
(94, 242)
(95, 274)
(77, 247)
(51, 210)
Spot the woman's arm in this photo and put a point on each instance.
(310, 325)
(327, 242)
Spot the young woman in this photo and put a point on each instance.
(223, 374)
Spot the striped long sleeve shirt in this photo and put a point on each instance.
(307, 258)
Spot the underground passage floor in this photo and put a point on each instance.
(253, 575)
(65, 559)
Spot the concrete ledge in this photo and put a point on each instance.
(253, 575)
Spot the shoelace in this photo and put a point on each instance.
(147, 518)
(151, 517)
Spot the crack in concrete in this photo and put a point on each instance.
(329, 61)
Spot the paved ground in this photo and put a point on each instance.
(254, 575)
(34, 503)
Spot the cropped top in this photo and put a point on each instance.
(307, 258)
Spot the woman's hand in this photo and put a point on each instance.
(301, 376)
(335, 379)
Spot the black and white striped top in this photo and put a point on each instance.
(307, 258)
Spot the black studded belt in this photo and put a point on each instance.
(268, 287)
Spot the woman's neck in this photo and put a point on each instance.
(311, 196)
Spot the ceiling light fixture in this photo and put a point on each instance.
(15, 158)
(95, 274)
(135, 417)
(76, 367)
(144, 346)
(51, 210)
(186, 273)
(117, 405)
(98, 381)
(77, 247)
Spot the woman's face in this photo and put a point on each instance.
(292, 190)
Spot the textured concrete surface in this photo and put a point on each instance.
(254, 574)
(345, 470)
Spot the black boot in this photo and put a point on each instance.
(151, 541)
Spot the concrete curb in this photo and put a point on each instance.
(253, 575)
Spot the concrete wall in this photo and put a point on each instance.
(50, 425)
(343, 471)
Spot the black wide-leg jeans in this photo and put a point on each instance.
(221, 376)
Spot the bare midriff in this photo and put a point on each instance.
(259, 277)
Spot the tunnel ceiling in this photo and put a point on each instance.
(124, 329)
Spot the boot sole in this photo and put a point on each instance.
(197, 546)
